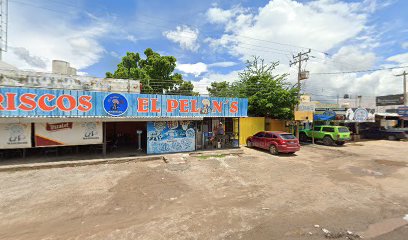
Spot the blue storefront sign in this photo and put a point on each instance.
(403, 111)
(33, 102)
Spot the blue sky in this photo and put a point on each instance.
(212, 39)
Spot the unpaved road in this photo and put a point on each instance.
(360, 187)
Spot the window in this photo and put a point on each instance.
(269, 135)
(316, 128)
(343, 129)
(328, 129)
(287, 136)
(260, 134)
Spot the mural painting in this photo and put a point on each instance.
(170, 136)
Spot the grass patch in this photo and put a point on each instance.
(211, 156)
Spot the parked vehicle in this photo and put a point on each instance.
(327, 134)
(381, 133)
(275, 142)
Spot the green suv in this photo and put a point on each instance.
(327, 134)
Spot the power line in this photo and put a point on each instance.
(36, 6)
(359, 71)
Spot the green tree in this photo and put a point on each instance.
(222, 89)
(268, 94)
(155, 72)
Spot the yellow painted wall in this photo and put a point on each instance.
(275, 125)
(249, 126)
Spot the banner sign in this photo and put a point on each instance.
(45, 80)
(403, 111)
(397, 99)
(68, 133)
(15, 135)
(360, 115)
(29, 102)
(171, 136)
(328, 114)
(345, 114)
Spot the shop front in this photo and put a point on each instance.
(154, 124)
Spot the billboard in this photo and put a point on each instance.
(397, 99)
(68, 133)
(29, 102)
(15, 135)
(170, 136)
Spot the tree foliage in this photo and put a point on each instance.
(155, 72)
(268, 94)
(222, 89)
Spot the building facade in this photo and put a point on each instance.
(32, 117)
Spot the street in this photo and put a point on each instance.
(320, 192)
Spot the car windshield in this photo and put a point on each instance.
(343, 129)
(287, 136)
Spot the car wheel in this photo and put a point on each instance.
(273, 150)
(249, 144)
(327, 141)
(340, 143)
(303, 137)
(392, 138)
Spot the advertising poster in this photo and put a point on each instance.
(360, 115)
(171, 136)
(396, 99)
(68, 133)
(15, 135)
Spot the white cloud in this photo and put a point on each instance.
(218, 15)
(222, 64)
(196, 69)
(404, 45)
(36, 42)
(353, 58)
(199, 68)
(399, 58)
(24, 55)
(327, 26)
(115, 54)
(185, 36)
(202, 84)
(310, 24)
(131, 38)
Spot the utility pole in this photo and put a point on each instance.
(3, 26)
(302, 75)
(404, 74)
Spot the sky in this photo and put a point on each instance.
(212, 40)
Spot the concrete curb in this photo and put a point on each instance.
(78, 163)
(217, 152)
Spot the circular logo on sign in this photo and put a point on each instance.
(115, 104)
(360, 114)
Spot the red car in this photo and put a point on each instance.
(275, 142)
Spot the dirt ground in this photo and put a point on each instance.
(361, 188)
